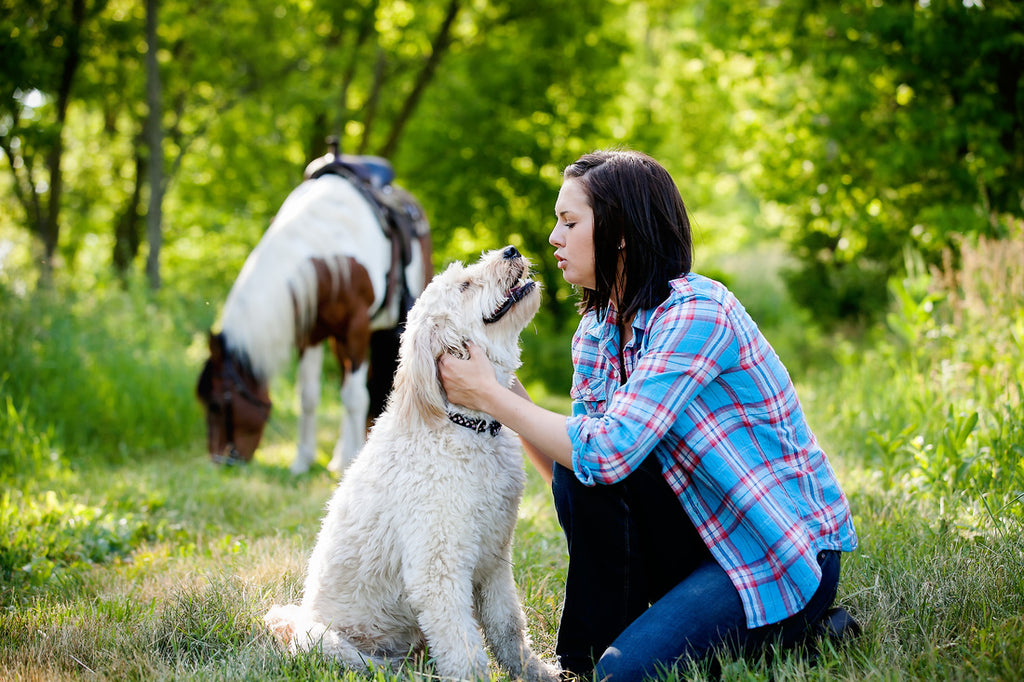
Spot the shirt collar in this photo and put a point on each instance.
(604, 333)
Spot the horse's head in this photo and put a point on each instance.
(237, 405)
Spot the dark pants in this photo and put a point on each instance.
(642, 589)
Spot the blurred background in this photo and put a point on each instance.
(835, 156)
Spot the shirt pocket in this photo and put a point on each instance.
(589, 396)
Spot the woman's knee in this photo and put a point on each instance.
(614, 665)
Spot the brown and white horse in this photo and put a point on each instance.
(324, 271)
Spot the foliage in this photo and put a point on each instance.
(91, 370)
(88, 381)
(895, 124)
(811, 121)
(25, 450)
(50, 541)
(938, 405)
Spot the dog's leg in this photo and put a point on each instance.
(310, 367)
(355, 398)
(440, 591)
(504, 624)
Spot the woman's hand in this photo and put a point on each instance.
(473, 383)
(468, 382)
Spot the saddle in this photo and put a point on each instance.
(399, 214)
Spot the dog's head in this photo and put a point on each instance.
(488, 303)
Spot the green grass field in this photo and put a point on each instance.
(939, 587)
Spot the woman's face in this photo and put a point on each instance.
(573, 235)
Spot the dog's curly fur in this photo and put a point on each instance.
(416, 545)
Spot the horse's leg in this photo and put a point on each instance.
(310, 366)
(356, 399)
(384, 345)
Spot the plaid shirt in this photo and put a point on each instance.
(709, 397)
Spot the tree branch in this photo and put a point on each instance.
(439, 46)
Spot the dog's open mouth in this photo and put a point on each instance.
(519, 291)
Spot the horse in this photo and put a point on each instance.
(341, 263)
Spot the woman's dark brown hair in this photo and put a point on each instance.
(636, 203)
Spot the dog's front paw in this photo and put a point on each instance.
(471, 667)
(536, 670)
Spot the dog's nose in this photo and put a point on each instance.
(509, 253)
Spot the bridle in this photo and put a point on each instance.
(233, 383)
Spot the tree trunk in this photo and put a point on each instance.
(128, 228)
(370, 109)
(48, 225)
(154, 143)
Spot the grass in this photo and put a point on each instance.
(126, 555)
(940, 597)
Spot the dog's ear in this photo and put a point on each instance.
(416, 379)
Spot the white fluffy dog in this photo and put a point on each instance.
(416, 545)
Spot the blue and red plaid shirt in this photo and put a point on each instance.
(709, 397)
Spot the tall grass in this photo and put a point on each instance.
(88, 378)
(124, 554)
(102, 368)
(927, 425)
(938, 404)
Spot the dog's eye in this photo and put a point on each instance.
(464, 287)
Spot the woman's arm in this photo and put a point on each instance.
(473, 384)
(541, 462)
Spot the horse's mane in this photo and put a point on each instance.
(272, 305)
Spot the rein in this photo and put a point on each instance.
(234, 383)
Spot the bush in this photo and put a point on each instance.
(104, 372)
(939, 402)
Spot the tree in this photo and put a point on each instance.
(42, 46)
(154, 145)
(898, 125)
(525, 89)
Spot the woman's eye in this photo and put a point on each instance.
(569, 226)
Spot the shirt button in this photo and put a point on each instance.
(589, 392)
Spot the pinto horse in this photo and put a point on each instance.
(331, 267)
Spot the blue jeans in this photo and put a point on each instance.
(642, 590)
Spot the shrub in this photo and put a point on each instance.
(939, 402)
(104, 372)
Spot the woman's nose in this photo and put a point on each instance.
(553, 238)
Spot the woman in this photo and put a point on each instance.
(699, 510)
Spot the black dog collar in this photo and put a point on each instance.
(478, 425)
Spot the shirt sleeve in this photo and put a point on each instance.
(689, 343)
